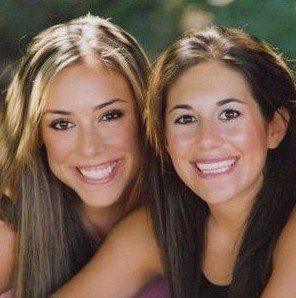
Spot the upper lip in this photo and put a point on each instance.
(215, 160)
(98, 164)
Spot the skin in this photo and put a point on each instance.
(212, 117)
(133, 264)
(128, 260)
(215, 129)
(246, 135)
(7, 248)
(282, 280)
(90, 133)
(88, 121)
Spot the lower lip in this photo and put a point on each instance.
(105, 180)
(214, 175)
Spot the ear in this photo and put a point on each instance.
(277, 127)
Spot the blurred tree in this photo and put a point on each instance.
(155, 23)
(20, 20)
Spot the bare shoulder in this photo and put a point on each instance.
(7, 249)
(282, 282)
(287, 241)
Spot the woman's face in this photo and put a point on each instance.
(90, 131)
(216, 135)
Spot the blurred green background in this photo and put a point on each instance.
(155, 23)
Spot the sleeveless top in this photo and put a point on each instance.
(158, 288)
(210, 290)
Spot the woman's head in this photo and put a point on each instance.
(219, 99)
(51, 75)
(90, 131)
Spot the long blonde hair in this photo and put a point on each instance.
(48, 228)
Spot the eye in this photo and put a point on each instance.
(229, 114)
(185, 119)
(62, 124)
(112, 115)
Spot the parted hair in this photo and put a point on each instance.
(52, 243)
(179, 216)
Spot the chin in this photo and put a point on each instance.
(100, 199)
(97, 203)
(215, 201)
(216, 198)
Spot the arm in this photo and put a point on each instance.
(7, 247)
(283, 278)
(127, 260)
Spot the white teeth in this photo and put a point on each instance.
(217, 167)
(99, 172)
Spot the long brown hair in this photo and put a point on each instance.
(179, 215)
(52, 243)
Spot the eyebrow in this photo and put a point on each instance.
(97, 107)
(219, 103)
(181, 106)
(229, 100)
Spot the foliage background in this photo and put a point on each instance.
(155, 23)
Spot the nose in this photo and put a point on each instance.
(90, 143)
(209, 135)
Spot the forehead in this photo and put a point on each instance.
(86, 85)
(206, 82)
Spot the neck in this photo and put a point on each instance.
(231, 217)
(100, 220)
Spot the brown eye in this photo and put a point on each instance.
(112, 115)
(62, 124)
(229, 115)
(185, 119)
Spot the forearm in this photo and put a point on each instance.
(127, 261)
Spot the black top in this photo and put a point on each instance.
(159, 288)
(210, 290)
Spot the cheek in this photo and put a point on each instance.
(58, 148)
(179, 144)
(123, 135)
(58, 153)
(250, 136)
(128, 141)
(129, 134)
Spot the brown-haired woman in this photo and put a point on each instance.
(221, 115)
(72, 151)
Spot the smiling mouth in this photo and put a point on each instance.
(209, 169)
(98, 172)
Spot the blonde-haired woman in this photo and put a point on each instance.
(72, 148)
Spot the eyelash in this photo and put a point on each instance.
(111, 115)
(188, 119)
(56, 124)
(107, 117)
(184, 119)
(234, 114)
